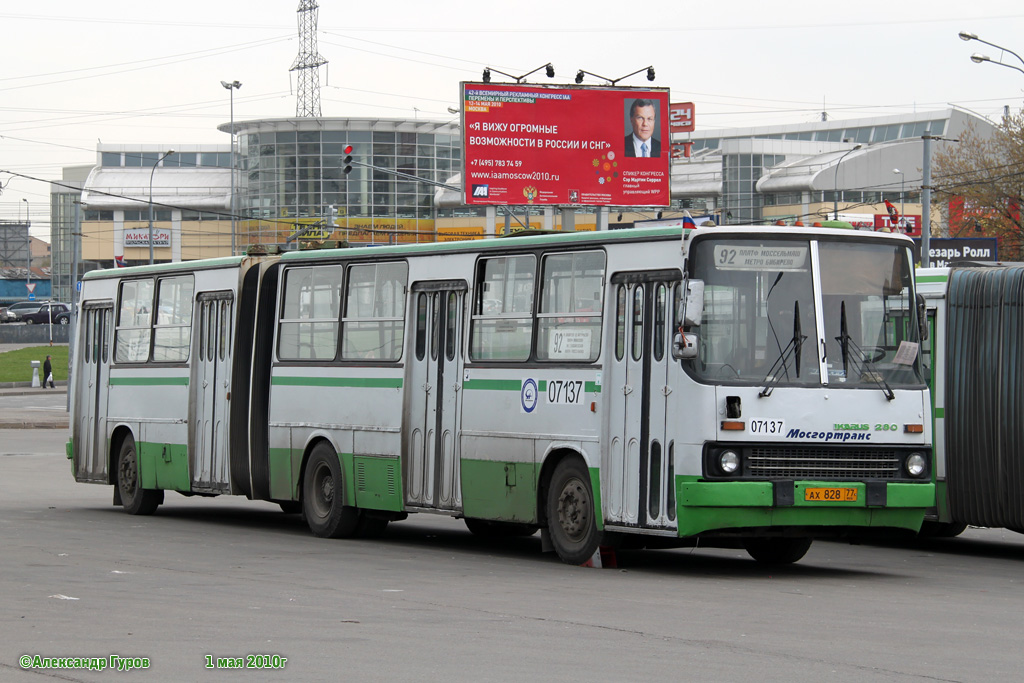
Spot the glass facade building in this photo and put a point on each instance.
(292, 171)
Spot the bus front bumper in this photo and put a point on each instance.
(707, 506)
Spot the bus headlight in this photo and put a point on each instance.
(916, 465)
(729, 462)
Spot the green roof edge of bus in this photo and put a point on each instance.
(221, 262)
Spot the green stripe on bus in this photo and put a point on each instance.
(932, 278)
(362, 382)
(494, 384)
(940, 413)
(148, 381)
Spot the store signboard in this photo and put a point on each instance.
(139, 237)
(534, 144)
(681, 117)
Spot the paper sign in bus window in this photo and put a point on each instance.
(569, 344)
(773, 257)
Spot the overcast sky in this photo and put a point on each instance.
(127, 72)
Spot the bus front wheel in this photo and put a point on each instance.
(571, 514)
(323, 493)
(134, 499)
(777, 550)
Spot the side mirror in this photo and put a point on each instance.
(694, 306)
(922, 317)
(684, 346)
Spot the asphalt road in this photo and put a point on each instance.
(228, 578)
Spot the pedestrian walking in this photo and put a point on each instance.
(48, 374)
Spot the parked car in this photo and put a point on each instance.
(46, 313)
(62, 318)
(15, 311)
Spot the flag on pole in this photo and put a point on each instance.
(119, 262)
(688, 223)
(894, 215)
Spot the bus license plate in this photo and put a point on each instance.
(825, 495)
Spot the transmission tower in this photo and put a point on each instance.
(308, 62)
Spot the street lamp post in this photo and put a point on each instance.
(903, 177)
(155, 164)
(28, 246)
(232, 87)
(835, 184)
(979, 58)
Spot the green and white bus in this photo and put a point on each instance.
(974, 359)
(745, 387)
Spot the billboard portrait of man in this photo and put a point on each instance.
(642, 123)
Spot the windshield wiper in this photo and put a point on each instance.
(795, 345)
(862, 364)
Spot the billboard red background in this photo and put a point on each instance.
(535, 144)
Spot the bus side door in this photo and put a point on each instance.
(92, 374)
(433, 424)
(640, 471)
(211, 387)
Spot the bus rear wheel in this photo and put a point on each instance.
(323, 488)
(777, 550)
(134, 499)
(571, 514)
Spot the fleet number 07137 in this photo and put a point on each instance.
(767, 427)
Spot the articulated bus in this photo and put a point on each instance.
(743, 387)
(974, 359)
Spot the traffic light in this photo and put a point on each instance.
(347, 165)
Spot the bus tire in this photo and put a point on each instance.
(571, 514)
(942, 529)
(485, 528)
(323, 487)
(777, 550)
(134, 499)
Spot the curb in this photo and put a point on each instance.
(33, 424)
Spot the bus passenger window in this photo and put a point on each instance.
(451, 331)
(620, 322)
(660, 301)
(373, 325)
(173, 319)
(638, 322)
(569, 319)
(502, 321)
(421, 326)
(309, 313)
(134, 316)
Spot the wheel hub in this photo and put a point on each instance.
(574, 510)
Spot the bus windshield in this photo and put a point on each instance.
(767, 317)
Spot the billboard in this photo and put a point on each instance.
(565, 145)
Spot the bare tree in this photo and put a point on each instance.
(982, 178)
